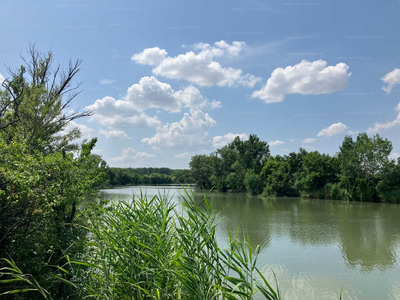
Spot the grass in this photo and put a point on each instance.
(145, 249)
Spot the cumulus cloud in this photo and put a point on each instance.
(148, 93)
(191, 97)
(384, 126)
(223, 140)
(335, 128)
(233, 49)
(190, 132)
(114, 134)
(86, 131)
(129, 156)
(276, 143)
(305, 78)
(390, 80)
(120, 114)
(107, 81)
(200, 68)
(182, 155)
(309, 140)
(150, 56)
(1, 79)
(151, 93)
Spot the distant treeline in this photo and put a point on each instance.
(137, 176)
(361, 171)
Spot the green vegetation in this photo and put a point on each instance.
(360, 171)
(42, 182)
(58, 241)
(145, 249)
(138, 176)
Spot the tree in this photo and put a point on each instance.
(361, 163)
(252, 151)
(316, 172)
(253, 183)
(42, 183)
(40, 214)
(201, 170)
(277, 176)
(35, 102)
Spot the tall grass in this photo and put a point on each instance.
(146, 249)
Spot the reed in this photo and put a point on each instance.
(146, 249)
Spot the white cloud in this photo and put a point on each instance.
(353, 132)
(151, 93)
(191, 97)
(114, 134)
(276, 143)
(1, 79)
(305, 78)
(86, 132)
(120, 114)
(148, 93)
(335, 128)
(307, 147)
(394, 155)
(150, 56)
(97, 151)
(309, 140)
(189, 132)
(107, 81)
(390, 80)
(129, 156)
(130, 112)
(233, 49)
(223, 140)
(182, 155)
(384, 126)
(201, 68)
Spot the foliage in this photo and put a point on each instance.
(253, 183)
(40, 202)
(34, 105)
(360, 171)
(363, 163)
(42, 183)
(144, 249)
(133, 176)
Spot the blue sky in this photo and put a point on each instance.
(174, 78)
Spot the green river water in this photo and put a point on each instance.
(315, 247)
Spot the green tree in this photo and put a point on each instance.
(42, 183)
(361, 163)
(201, 170)
(316, 172)
(34, 107)
(253, 183)
(277, 176)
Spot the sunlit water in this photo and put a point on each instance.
(315, 247)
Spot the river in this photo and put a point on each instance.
(315, 247)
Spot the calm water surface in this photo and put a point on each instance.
(314, 246)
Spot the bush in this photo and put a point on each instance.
(253, 183)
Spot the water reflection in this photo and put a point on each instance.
(314, 246)
(367, 234)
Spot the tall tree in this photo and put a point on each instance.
(361, 161)
(35, 103)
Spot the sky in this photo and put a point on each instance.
(169, 79)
